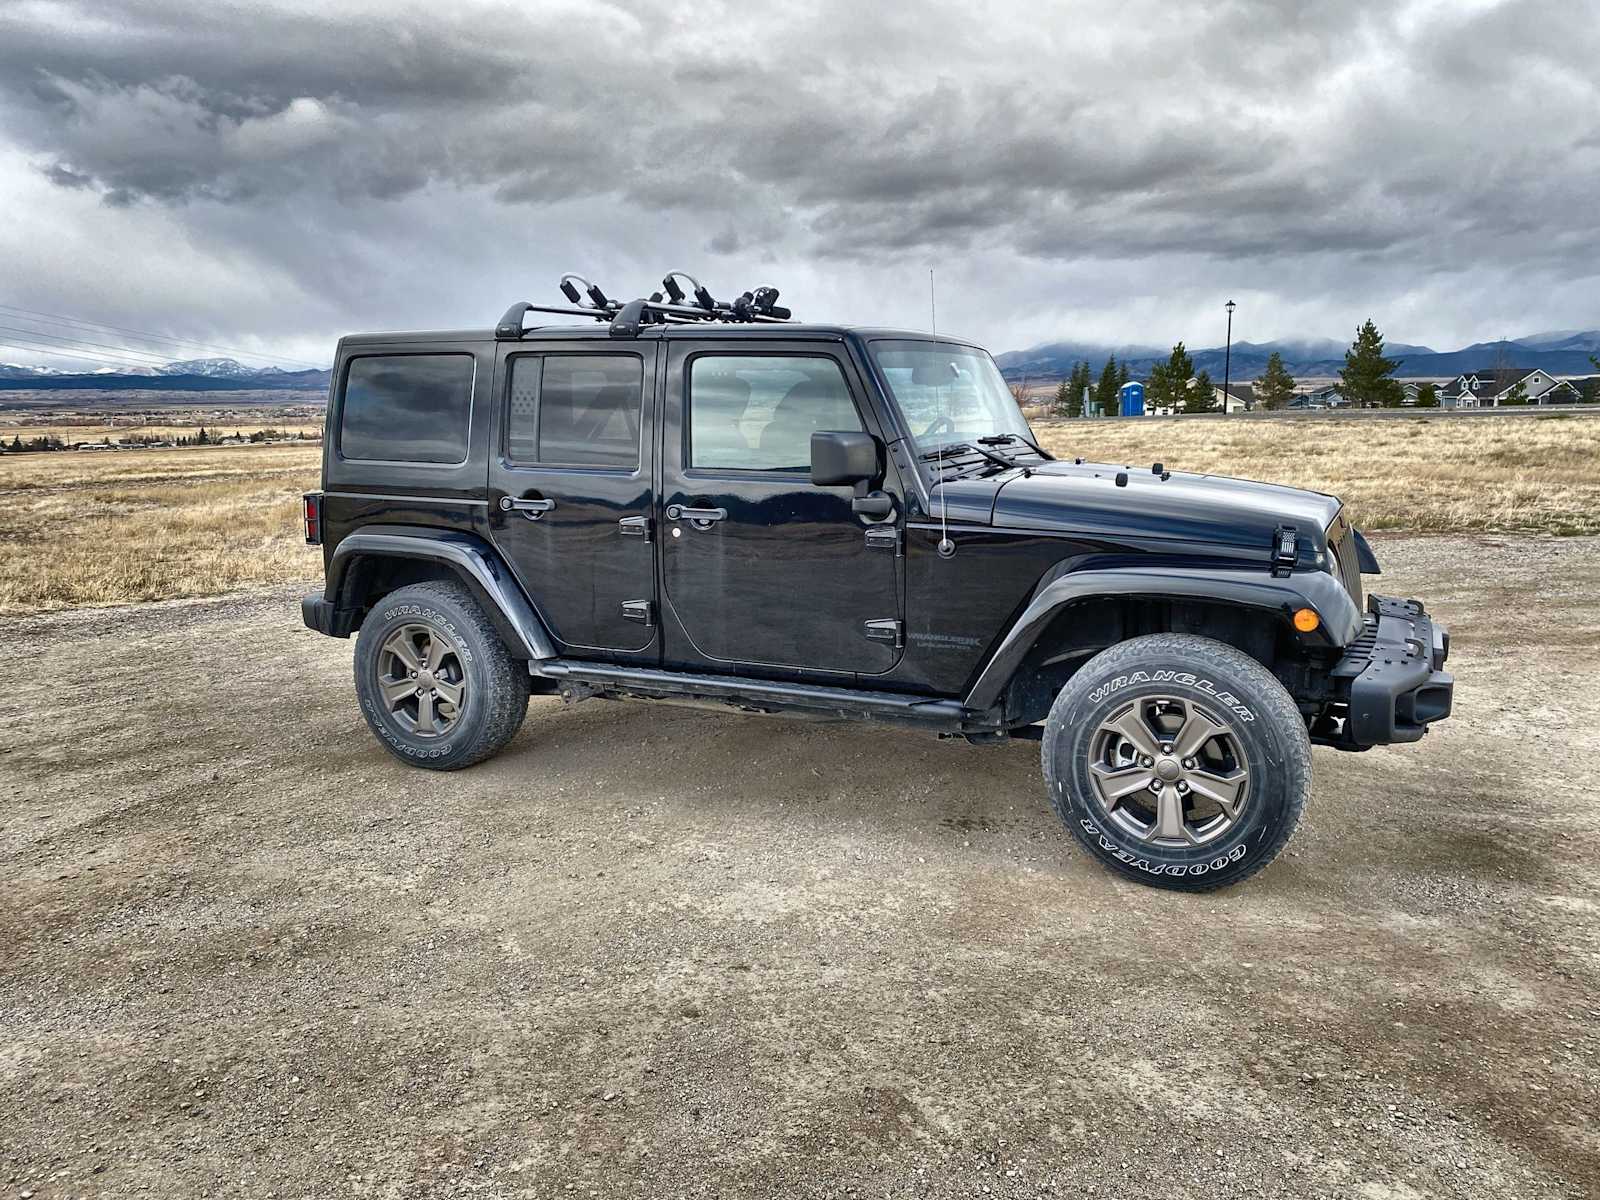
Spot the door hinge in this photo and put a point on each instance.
(636, 527)
(642, 612)
(886, 630)
(884, 537)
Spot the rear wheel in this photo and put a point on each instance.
(436, 683)
(1178, 761)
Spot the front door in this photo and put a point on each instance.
(570, 495)
(762, 572)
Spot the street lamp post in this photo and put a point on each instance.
(1227, 362)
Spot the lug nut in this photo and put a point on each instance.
(1166, 747)
(1182, 786)
(1189, 764)
(1147, 762)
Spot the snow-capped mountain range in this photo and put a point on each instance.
(188, 374)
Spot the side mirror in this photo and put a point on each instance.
(844, 459)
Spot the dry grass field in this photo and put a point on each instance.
(93, 529)
(1425, 474)
(103, 431)
(111, 528)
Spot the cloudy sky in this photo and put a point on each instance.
(268, 175)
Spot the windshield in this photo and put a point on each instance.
(949, 393)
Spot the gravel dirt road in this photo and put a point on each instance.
(662, 952)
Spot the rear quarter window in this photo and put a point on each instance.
(406, 408)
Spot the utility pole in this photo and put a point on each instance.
(1227, 362)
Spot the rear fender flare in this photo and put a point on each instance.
(1246, 588)
(473, 561)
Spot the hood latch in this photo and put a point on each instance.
(1283, 550)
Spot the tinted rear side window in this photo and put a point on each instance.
(407, 408)
(575, 409)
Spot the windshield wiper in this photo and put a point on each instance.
(1000, 439)
(968, 448)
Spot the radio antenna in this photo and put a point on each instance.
(933, 311)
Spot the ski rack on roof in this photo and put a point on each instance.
(759, 306)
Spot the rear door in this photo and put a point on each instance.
(763, 572)
(571, 503)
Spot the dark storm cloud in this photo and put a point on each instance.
(1354, 144)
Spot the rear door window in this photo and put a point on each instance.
(407, 408)
(575, 409)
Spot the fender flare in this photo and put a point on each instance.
(1250, 588)
(474, 561)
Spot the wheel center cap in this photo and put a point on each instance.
(1168, 769)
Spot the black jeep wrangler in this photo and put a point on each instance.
(697, 500)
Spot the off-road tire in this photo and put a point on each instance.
(1260, 717)
(496, 693)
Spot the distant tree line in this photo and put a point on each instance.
(201, 437)
(1366, 381)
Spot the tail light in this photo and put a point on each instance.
(313, 517)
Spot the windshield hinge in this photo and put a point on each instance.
(642, 612)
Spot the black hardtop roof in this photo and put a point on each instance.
(718, 331)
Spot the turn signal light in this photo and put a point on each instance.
(1305, 620)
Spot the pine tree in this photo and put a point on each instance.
(16, 444)
(1169, 382)
(1077, 384)
(1063, 395)
(1364, 381)
(1275, 388)
(1201, 395)
(1428, 396)
(1124, 374)
(1105, 392)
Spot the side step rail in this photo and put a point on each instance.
(847, 703)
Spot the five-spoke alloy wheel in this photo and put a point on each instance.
(1168, 771)
(423, 682)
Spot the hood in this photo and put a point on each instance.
(1084, 498)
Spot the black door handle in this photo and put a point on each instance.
(699, 516)
(532, 509)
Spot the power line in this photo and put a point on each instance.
(145, 335)
(72, 355)
(50, 337)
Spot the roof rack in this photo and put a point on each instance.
(758, 306)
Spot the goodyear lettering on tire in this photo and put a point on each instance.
(1150, 868)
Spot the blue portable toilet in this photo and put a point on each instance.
(1131, 396)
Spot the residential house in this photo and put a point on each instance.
(1241, 397)
(1323, 397)
(1489, 388)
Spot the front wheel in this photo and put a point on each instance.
(1178, 761)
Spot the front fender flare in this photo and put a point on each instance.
(472, 559)
(1249, 588)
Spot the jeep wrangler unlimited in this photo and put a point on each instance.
(704, 501)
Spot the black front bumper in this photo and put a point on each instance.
(1390, 685)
